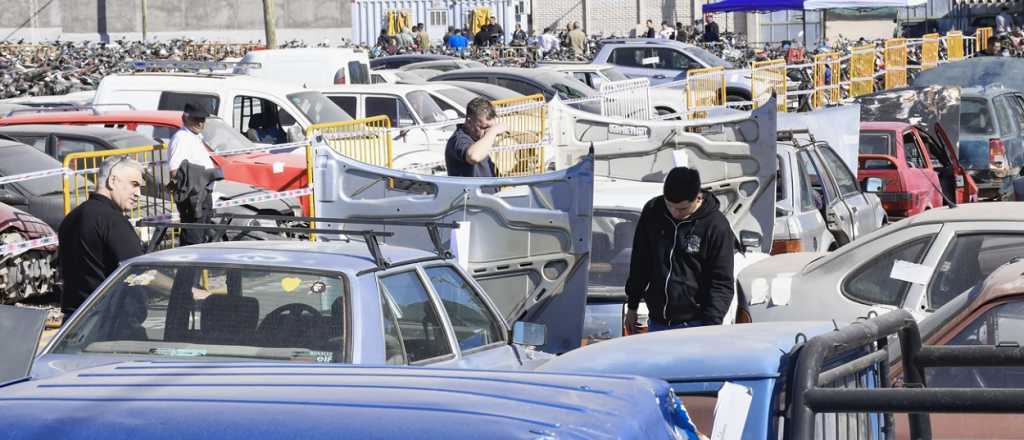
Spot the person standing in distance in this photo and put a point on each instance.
(96, 236)
(187, 143)
(468, 153)
(682, 257)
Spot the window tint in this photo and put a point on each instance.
(444, 106)
(25, 159)
(968, 261)
(1003, 323)
(781, 183)
(872, 284)
(519, 86)
(820, 182)
(809, 200)
(911, 152)
(258, 119)
(175, 311)
(357, 73)
(875, 143)
(675, 60)
(176, 101)
(627, 56)
(390, 106)
(975, 117)
(1016, 114)
(347, 103)
(1006, 126)
(37, 142)
(844, 178)
(936, 152)
(66, 146)
(394, 350)
(317, 108)
(584, 78)
(419, 324)
(474, 325)
(377, 79)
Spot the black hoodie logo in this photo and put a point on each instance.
(692, 244)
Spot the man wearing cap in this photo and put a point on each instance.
(682, 257)
(187, 143)
(190, 167)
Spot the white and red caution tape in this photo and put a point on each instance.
(22, 246)
(34, 175)
(264, 197)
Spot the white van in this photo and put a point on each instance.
(313, 67)
(264, 111)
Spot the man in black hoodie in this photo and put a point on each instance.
(682, 257)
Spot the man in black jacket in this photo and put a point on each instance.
(682, 257)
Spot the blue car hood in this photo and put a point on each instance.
(171, 400)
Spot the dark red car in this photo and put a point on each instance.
(914, 168)
(25, 273)
(273, 171)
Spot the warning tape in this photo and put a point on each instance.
(22, 246)
(265, 197)
(261, 149)
(34, 175)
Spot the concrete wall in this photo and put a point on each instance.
(220, 20)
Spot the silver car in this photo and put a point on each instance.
(918, 264)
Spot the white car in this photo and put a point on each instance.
(594, 75)
(309, 67)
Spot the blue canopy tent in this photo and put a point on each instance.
(754, 5)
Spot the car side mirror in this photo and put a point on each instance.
(451, 114)
(12, 198)
(873, 184)
(529, 333)
(750, 239)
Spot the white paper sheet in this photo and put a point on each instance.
(680, 159)
(460, 243)
(911, 272)
(782, 286)
(731, 411)
(759, 290)
(278, 167)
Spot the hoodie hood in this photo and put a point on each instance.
(709, 206)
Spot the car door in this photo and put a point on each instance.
(1012, 132)
(1016, 157)
(813, 231)
(837, 214)
(527, 245)
(633, 62)
(862, 212)
(955, 182)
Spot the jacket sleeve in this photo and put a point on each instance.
(719, 278)
(124, 242)
(639, 262)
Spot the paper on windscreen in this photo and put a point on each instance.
(680, 159)
(649, 60)
(911, 272)
(782, 287)
(731, 411)
(759, 289)
(460, 243)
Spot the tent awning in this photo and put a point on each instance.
(780, 5)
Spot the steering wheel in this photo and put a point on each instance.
(288, 324)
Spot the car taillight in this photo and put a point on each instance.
(786, 247)
(339, 78)
(996, 151)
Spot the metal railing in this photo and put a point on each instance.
(705, 89)
(628, 98)
(366, 140)
(895, 63)
(520, 150)
(827, 74)
(930, 51)
(767, 78)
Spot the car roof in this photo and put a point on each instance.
(536, 74)
(104, 133)
(883, 125)
(970, 212)
(340, 256)
(212, 82)
(651, 41)
(743, 351)
(575, 67)
(391, 89)
(302, 52)
(160, 117)
(985, 92)
(1007, 280)
(249, 400)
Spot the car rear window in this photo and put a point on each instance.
(975, 117)
(18, 159)
(876, 143)
(197, 310)
(318, 108)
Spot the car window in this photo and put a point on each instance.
(975, 117)
(199, 311)
(346, 103)
(222, 137)
(425, 107)
(1016, 114)
(1006, 126)
(707, 58)
(611, 245)
(969, 259)
(394, 349)
(844, 178)
(808, 199)
(584, 78)
(612, 74)
(175, 101)
(258, 119)
(317, 108)
(627, 56)
(18, 159)
(376, 79)
(1001, 324)
(567, 91)
(519, 86)
(872, 282)
(66, 146)
(873, 142)
(390, 106)
(781, 183)
(460, 96)
(936, 152)
(419, 323)
(675, 60)
(37, 142)
(473, 323)
(445, 106)
(911, 151)
(823, 190)
(357, 72)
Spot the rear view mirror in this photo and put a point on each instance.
(750, 239)
(529, 333)
(872, 184)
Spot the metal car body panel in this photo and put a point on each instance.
(908, 189)
(396, 61)
(443, 65)
(26, 273)
(311, 67)
(812, 285)
(796, 218)
(245, 400)
(528, 244)
(1005, 114)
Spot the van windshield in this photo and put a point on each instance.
(318, 108)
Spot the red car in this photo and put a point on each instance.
(914, 167)
(25, 273)
(276, 172)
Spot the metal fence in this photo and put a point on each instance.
(629, 98)
(767, 78)
(981, 38)
(955, 46)
(520, 151)
(929, 51)
(705, 89)
(827, 74)
(895, 63)
(366, 140)
(218, 51)
(862, 71)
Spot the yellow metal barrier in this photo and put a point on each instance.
(895, 63)
(862, 71)
(955, 46)
(705, 88)
(929, 51)
(366, 140)
(520, 151)
(826, 80)
(769, 76)
(982, 35)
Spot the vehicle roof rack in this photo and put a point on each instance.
(69, 108)
(370, 237)
(784, 135)
(189, 66)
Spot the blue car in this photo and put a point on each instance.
(225, 401)
(992, 138)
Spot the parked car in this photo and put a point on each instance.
(396, 61)
(43, 197)
(319, 401)
(241, 100)
(529, 82)
(312, 67)
(664, 61)
(487, 91)
(30, 273)
(594, 75)
(917, 264)
(992, 139)
(443, 65)
(819, 205)
(58, 141)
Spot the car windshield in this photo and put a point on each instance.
(873, 142)
(613, 74)
(19, 159)
(611, 247)
(707, 58)
(318, 108)
(196, 310)
(974, 117)
(460, 96)
(221, 137)
(567, 91)
(425, 106)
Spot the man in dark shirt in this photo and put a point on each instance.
(96, 236)
(710, 29)
(468, 153)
